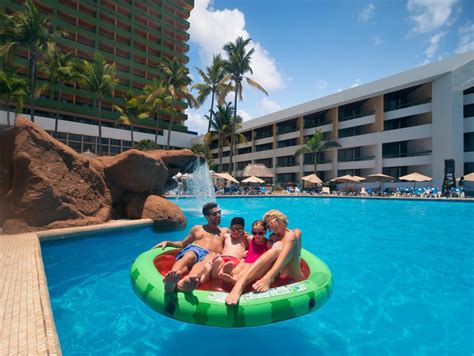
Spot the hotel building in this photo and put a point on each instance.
(409, 122)
(136, 36)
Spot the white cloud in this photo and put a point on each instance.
(210, 29)
(196, 122)
(356, 83)
(366, 14)
(466, 38)
(244, 115)
(430, 15)
(268, 106)
(322, 84)
(377, 41)
(434, 44)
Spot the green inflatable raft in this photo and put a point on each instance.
(206, 306)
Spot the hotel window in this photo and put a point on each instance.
(287, 143)
(285, 178)
(469, 142)
(264, 147)
(315, 120)
(245, 150)
(395, 171)
(469, 110)
(286, 161)
(348, 155)
(286, 127)
(268, 162)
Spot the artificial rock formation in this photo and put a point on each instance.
(46, 184)
(163, 212)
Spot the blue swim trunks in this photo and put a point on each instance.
(199, 251)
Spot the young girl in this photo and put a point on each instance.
(258, 244)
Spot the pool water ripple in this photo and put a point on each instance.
(403, 284)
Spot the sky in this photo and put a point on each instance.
(307, 49)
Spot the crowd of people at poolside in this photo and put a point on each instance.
(231, 254)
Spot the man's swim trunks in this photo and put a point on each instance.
(199, 251)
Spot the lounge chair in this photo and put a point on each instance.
(325, 190)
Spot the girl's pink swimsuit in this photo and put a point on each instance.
(255, 251)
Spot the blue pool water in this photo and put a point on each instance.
(403, 285)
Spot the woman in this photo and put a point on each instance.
(283, 257)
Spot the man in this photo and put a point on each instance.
(199, 249)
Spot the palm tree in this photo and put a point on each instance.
(98, 77)
(132, 109)
(13, 90)
(221, 127)
(176, 80)
(159, 100)
(28, 30)
(215, 82)
(237, 65)
(61, 69)
(146, 145)
(315, 145)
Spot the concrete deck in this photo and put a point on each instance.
(26, 319)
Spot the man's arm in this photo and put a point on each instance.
(180, 244)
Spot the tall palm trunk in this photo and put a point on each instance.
(170, 125)
(210, 120)
(131, 134)
(219, 144)
(60, 95)
(157, 126)
(315, 161)
(100, 126)
(232, 139)
(7, 104)
(32, 85)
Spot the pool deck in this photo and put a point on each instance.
(26, 319)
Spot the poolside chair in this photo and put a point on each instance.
(325, 190)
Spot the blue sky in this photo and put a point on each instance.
(306, 49)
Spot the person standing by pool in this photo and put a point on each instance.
(283, 257)
(199, 249)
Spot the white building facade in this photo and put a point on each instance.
(409, 122)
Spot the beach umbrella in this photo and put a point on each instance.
(379, 177)
(469, 177)
(253, 179)
(312, 178)
(226, 176)
(346, 179)
(257, 170)
(415, 177)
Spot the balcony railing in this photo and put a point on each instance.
(406, 154)
(390, 106)
(356, 159)
(353, 115)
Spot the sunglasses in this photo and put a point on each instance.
(258, 232)
(215, 213)
(236, 229)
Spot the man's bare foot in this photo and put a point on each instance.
(262, 285)
(188, 284)
(170, 280)
(228, 278)
(234, 295)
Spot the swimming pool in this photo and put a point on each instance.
(403, 284)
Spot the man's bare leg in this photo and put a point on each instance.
(257, 270)
(179, 268)
(199, 273)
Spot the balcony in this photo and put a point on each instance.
(357, 163)
(407, 133)
(410, 159)
(408, 109)
(358, 120)
(468, 124)
(324, 128)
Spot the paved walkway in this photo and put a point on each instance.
(26, 321)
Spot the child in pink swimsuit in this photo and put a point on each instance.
(258, 244)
